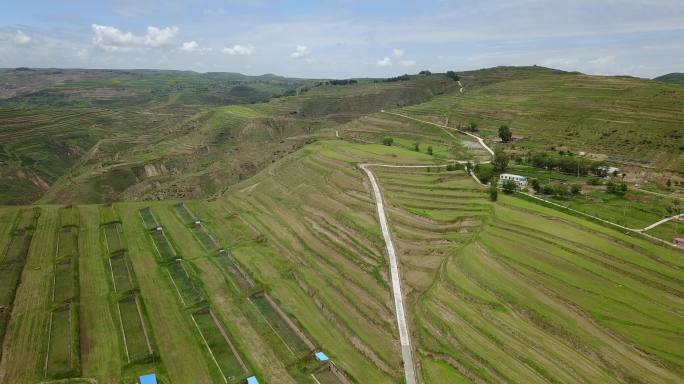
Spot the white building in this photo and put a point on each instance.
(521, 181)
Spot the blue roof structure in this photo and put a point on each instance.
(148, 379)
(252, 380)
(321, 356)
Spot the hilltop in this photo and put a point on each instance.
(674, 78)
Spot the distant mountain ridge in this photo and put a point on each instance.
(674, 78)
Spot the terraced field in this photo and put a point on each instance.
(506, 291)
(628, 119)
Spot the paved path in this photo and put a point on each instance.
(404, 335)
(665, 220)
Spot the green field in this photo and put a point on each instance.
(294, 343)
(148, 218)
(220, 347)
(67, 245)
(65, 275)
(235, 274)
(121, 272)
(62, 354)
(113, 233)
(184, 213)
(136, 340)
(187, 292)
(162, 245)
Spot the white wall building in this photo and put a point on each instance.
(520, 180)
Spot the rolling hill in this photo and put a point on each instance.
(674, 78)
(213, 227)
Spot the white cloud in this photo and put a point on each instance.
(397, 52)
(386, 62)
(81, 53)
(193, 47)
(407, 63)
(602, 60)
(22, 38)
(300, 52)
(112, 39)
(241, 50)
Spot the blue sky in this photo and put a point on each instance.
(346, 38)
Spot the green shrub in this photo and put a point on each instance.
(509, 186)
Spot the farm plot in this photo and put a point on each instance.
(162, 245)
(137, 344)
(197, 228)
(62, 358)
(219, 345)
(18, 247)
(327, 376)
(184, 213)
(204, 237)
(67, 243)
(11, 267)
(108, 214)
(187, 291)
(28, 218)
(280, 325)
(148, 219)
(114, 235)
(64, 284)
(122, 275)
(69, 216)
(234, 272)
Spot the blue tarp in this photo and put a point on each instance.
(252, 380)
(148, 379)
(321, 356)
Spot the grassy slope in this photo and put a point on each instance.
(674, 78)
(24, 346)
(625, 118)
(501, 291)
(100, 344)
(192, 146)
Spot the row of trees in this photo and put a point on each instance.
(566, 162)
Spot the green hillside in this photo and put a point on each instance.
(497, 292)
(674, 78)
(625, 120)
(122, 135)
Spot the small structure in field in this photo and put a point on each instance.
(252, 380)
(521, 181)
(148, 379)
(159, 228)
(198, 221)
(320, 356)
(609, 171)
(678, 240)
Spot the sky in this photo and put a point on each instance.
(345, 38)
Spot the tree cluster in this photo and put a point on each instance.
(342, 82)
(453, 76)
(567, 162)
(616, 188)
(505, 133)
(397, 78)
